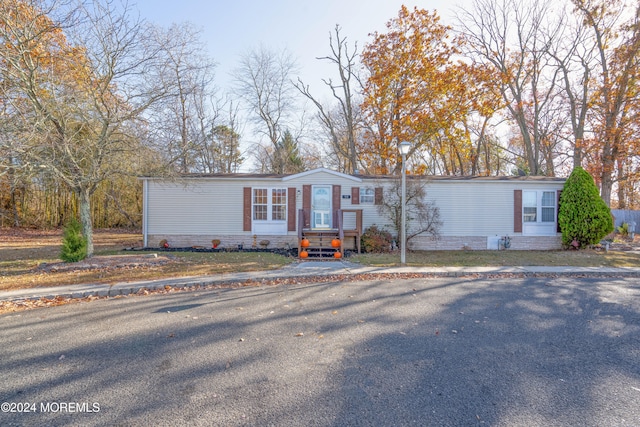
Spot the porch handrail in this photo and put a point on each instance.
(300, 223)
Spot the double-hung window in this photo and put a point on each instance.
(270, 204)
(367, 195)
(269, 211)
(539, 212)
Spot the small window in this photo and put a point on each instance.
(279, 204)
(548, 206)
(529, 206)
(260, 204)
(367, 195)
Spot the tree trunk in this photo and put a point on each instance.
(85, 218)
(14, 199)
(606, 185)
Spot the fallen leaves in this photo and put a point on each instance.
(17, 305)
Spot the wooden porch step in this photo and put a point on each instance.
(320, 242)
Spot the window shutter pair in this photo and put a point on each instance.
(291, 209)
(355, 196)
(517, 211)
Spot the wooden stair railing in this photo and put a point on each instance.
(320, 239)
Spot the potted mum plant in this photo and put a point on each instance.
(215, 243)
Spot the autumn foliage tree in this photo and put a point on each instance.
(418, 91)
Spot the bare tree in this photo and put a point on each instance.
(341, 123)
(514, 38)
(263, 82)
(182, 124)
(617, 46)
(423, 216)
(576, 59)
(81, 82)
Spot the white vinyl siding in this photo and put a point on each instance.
(213, 206)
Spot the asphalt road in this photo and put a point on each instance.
(425, 352)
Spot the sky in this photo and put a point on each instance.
(231, 28)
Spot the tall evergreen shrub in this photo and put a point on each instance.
(74, 245)
(583, 215)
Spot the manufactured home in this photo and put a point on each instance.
(279, 210)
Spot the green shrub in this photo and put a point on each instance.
(623, 230)
(376, 240)
(74, 245)
(583, 215)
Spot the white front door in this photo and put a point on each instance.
(321, 206)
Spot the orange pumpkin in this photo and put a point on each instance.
(304, 243)
(304, 254)
(337, 255)
(335, 243)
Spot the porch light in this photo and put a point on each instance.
(404, 150)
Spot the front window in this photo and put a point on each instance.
(260, 204)
(279, 204)
(270, 204)
(539, 207)
(529, 206)
(548, 206)
(367, 195)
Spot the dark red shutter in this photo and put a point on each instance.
(306, 205)
(246, 215)
(291, 209)
(377, 200)
(355, 195)
(517, 211)
(337, 195)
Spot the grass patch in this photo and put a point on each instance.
(23, 251)
(583, 258)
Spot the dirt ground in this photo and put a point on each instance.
(18, 243)
(31, 258)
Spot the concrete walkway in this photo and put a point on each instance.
(298, 269)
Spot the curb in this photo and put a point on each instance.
(264, 278)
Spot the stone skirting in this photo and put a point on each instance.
(226, 242)
(479, 243)
(445, 243)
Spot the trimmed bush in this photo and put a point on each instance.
(376, 240)
(74, 245)
(583, 216)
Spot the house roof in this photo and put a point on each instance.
(356, 178)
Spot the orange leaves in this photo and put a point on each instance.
(417, 91)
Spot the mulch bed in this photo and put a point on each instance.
(107, 262)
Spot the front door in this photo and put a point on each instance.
(321, 206)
